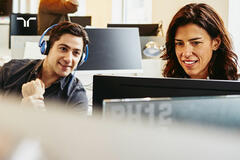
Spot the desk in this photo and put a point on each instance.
(108, 140)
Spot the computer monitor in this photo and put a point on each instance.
(22, 24)
(82, 20)
(144, 29)
(117, 87)
(110, 51)
(210, 111)
(113, 50)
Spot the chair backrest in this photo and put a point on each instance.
(22, 24)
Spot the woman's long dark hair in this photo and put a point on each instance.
(223, 64)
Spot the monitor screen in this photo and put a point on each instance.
(144, 29)
(113, 50)
(215, 111)
(82, 20)
(117, 87)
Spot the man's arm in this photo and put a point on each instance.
(58, 6)
(78, 99)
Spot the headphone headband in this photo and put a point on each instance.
(42, 43)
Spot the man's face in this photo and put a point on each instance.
(64, 55)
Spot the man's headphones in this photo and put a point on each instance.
(45, 46)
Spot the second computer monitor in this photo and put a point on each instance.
(113, 50)
(144, 29)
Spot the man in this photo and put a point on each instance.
(39, 81)
(54, 11)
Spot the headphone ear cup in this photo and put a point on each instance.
(82, 60)
(43, 47)
(47, 48)
(84, 56)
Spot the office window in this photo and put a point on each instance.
(234, 24)
(131, 11)
(25, 6)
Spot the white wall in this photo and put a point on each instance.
(234, 24)
(165, 9)
(100, 10)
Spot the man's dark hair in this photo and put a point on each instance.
(67, 28)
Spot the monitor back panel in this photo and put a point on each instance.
(82, 20)
(144, 29)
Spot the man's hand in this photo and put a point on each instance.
(33, 94)
(74, 2)
(35, 87)
(35, 101)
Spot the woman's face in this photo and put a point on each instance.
(194, 49)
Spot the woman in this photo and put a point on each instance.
(198, 45)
